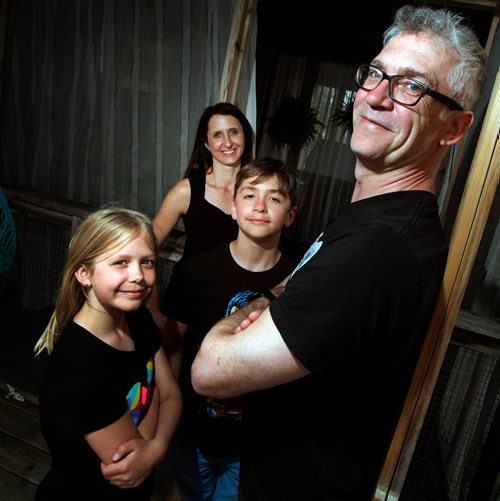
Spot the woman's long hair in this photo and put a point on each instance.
(98, 234)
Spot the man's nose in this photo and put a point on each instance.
(379, 95)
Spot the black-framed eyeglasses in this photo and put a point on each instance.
(403, 90)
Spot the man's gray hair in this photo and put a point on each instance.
(467, 77)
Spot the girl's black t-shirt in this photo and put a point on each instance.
(88, 385)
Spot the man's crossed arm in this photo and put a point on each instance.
(256, 357)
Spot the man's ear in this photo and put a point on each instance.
(233, 210)
(291, 216)
(458, 124)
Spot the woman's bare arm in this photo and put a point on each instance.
(174, 205)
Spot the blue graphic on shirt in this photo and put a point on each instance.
(238, 301)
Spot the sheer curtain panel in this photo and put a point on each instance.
(325, 168)
(100, 98)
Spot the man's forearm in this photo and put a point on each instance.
(212, 349)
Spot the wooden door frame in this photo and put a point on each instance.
(236, 47)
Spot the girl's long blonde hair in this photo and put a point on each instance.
(99, 233)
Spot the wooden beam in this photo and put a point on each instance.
(491, 34)
(471, 219)
(236, 49)
(459, 147)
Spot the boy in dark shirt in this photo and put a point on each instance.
(205, 453)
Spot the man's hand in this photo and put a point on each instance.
(252, 317)
(255, 314)
(133, 461)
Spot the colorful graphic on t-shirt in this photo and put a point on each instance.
(239, 300)
(137, 397)
(229, 408)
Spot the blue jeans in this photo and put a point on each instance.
(201, 477)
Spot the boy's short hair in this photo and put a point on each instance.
(264, 168)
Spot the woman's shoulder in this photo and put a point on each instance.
(173, 206)
(181, 189)
(197, 179)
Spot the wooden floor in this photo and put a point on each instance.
(24, 458)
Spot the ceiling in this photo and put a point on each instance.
(345, 31)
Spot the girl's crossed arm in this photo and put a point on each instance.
(133, 460)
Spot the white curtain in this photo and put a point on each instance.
(287, 81)
(101, 98)
(325, 168)
(326, 173)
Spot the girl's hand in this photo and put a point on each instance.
(133, 461)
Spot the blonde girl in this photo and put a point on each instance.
(108, 393)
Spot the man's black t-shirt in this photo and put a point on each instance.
(354, 313)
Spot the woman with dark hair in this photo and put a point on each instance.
(203, 198)
(224, 142)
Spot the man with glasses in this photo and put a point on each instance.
(327, 366)
(402, 89)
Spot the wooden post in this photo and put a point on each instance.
(459, 147)
(471, 219)
(235, 50)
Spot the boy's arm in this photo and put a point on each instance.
(135, 459)
(152, 303)
(229, 364)
(172, 341)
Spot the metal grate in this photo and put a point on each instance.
(456, 427)
(26, 302)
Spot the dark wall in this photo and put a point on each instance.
(348, 31)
